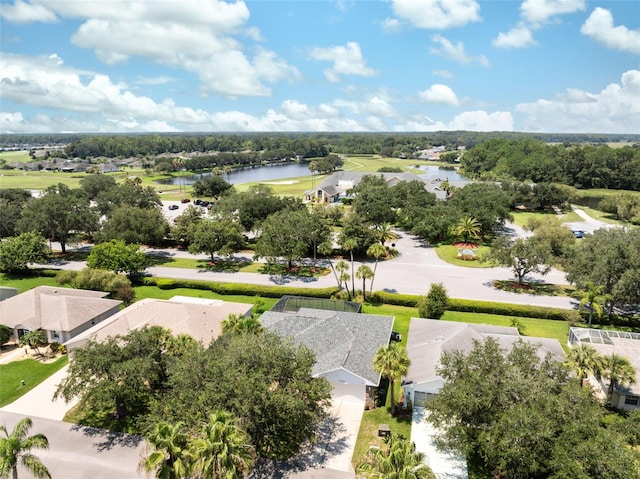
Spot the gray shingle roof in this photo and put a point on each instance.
(429, 338)
(356, 176)
(339, 339)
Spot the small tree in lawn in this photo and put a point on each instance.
(392, 362)
(592, 298)
(17, 252)
(34, 339)
(399, 459)
(119, 257)
(435, 303)
(523, 256)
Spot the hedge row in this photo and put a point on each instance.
(472, 306)
(266, 291)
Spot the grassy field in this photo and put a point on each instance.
(602, 216)
(25, 283)
(31, 371)
(12, 156)
(521, 218)
(449, 253)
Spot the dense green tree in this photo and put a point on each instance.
(119, 257)
(223, 237)
(12, 200)
(128, 194)
(17, 252)
(435, 303)
(15, 448)
(135, 225)
(60, 214)
(392, 362)
(118, 285)
(290, 235)
(213, 186)
(483, 416)
(373, 200)
(486, 202)
(552, 231)
(5, 334)
(397, 460)
(121, 374)
(93, 185)
(432, 224)
(523, 256)
(263, 380)
(182, 227)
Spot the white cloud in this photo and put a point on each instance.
(440, 94)
(540, 11)
(518, 37)
(615, 109)
(447, 75)
(477, 120)
(453, 51)
(599, 26)
(25, 12)
(347, 60)
(159, 80)
(199, 36)
(435, 14)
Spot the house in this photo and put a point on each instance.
(335, 186)
(626, 397)
(429, 338)
(200, 318)
(345, 344)
(62, 313)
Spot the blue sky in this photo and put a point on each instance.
(307, 65)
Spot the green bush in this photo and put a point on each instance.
(435, 303)
(266, 291)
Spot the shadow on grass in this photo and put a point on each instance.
(160, 259)
(533, 287)
(231, 265)
(300, 271)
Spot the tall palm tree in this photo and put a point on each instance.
(241, 325)
(364, 273)
(592, 299)
(222, 450)
(351, 244)
(467, 228)
(376, 251)
(584, 360)
(619, 371)
(392, 362)
(384, 232)
(16, 447)
(342, 267)
(398, 460)
(326, 249)
(168, 459)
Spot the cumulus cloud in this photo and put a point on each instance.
(599, 26)
(534, 14)
(456, 52)
(434, 14)
(477, 120)
(518, 37)
(25, 12)
(615, 109)
(199, 36)
(447, 75)
(347, 60)
(440, 94)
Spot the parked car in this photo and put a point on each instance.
(578, 233)
(197, 202)
(204, 204)
(185, 200)
(173, 207)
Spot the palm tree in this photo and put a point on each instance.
(350, 244)
(584, 360)
(241, 325)
(398, 460)
(364, 273)
(16, 447)
(168, 458)
(468, 228)
(619, 371)
(384, 233)
(342, 267)
(222, 450)
(377, 251)
(592, 299)
(326, 248)
(34, 339)
(392, 362)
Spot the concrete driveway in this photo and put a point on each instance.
(444, 466)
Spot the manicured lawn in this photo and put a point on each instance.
(143, 292)
(521, 218)
(25, 283)
(12, 156)
(31, 371)
(204, 264)
(37, 180)
(449, 253)
(602, 216)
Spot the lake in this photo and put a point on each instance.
(292, 170)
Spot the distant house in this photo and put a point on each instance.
(626, 397)
(62, 313)
(336, 186)
(429, 338)
(197, 317)
(345, 344)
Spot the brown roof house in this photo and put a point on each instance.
(198, 317)
(61, 313)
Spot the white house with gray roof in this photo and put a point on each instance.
(429, 338)
(344, 343)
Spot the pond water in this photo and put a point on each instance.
(292, 170)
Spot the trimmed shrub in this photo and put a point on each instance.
(435, 303)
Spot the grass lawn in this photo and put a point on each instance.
(37, 180)
(143, 292)
(33, 372)
(542, 289)
(521, 218)
(602, 216)
(25, 283)
(204, 264)
(12, 156)
(449, 253)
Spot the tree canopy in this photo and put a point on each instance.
(119, 257)
(17, 252)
